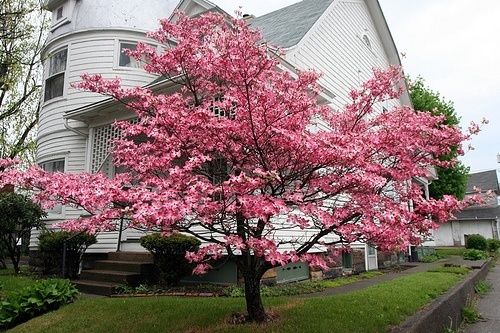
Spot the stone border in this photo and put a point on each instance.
(446, 310)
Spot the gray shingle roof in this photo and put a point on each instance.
(486, 180)
(285, 27)
(474, 213)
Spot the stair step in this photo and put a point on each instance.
(119, 277)
(95, 287)
(143, 257)
(127, 266)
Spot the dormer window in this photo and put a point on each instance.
(62, 10)
(59, 13)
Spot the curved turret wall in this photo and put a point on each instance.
(87, 39)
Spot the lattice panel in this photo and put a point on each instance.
(102, 145)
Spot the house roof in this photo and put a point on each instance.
(486, 180)
(479, 213)
(285, 27)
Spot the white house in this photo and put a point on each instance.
(483, 219)
(343, 39)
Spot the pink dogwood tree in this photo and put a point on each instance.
(243, 158)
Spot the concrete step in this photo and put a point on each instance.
(125, 266)
(117, 277)
(143, 257)
(95, 287)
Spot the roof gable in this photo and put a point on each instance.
(285, 27)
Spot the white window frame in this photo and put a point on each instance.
(127, 44)
(53, 75)
(58, 211)
(65, 8)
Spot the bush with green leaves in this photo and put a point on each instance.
(18, 215)
(50, 245)
(169, 255)
(492, 245)
(473, 254)
(477, 242)
(430, 257)
(39, 298)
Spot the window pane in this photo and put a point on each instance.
(54, 86)
(51, 167)
(58, 62)
(125, 60)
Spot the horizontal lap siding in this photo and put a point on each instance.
(335, 48)
(94, 53)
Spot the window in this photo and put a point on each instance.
(367, 42)
(51, 167)
(59, 13)
(220, 112)
(125, 60)
(54, 84)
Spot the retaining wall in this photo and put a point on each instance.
(446, 310)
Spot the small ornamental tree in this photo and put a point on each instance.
(18, 215)
(244, 159)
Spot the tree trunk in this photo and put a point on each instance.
(255, 308)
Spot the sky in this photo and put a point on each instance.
(454, 45)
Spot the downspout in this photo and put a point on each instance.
(74, 130)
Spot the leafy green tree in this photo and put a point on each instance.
(452, 180)
(23, 26)
(18, 215)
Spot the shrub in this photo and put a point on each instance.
(474, 254)
(492, 245)
(51, 250)
(19, 215)
(476, 242)
(37, 299)
(430, 257)
(169, 255)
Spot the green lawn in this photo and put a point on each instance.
(450, 251)
(10, 282)
(373, 309)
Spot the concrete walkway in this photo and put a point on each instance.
(488, 307)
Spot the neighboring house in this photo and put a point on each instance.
(482, 219)
(343, 40)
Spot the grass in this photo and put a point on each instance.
(307, 287)
(11, 282)
(450, 251)
(373, 309)
(483, 287)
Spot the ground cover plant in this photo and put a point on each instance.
(374, 309)
(244, 143)
(483, 287)
(36, 299)
(473, 254)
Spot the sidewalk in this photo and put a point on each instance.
(488, 307)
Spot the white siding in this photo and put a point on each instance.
(335, 48)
